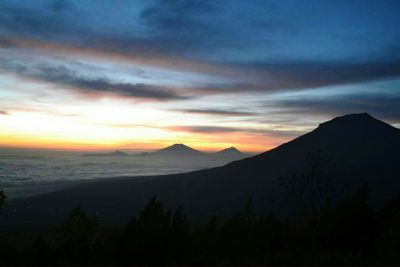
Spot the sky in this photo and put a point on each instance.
(140, 75)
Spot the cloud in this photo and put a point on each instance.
(217, 112)
(122, 89)
(251, 77)
(3, 112)
(181, 25)
(256, 77)
(380, 105)
(6, 43)
(210, 30)
(66, 77)
(311, 74)
(161, 27)
(208, 129)
(187, 30)
(108, 50)
(198, 36)
(38, 20)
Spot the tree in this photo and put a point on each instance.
(238, 235)
(2, 198)
(352, 226)
(76, 237)
(144, 240)
(310, 190)
(210, 243)
(37, 254)
(389, 238)
(179, 238)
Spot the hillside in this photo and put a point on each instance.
(352, 150)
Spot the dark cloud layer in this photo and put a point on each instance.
(225, 35)
(208, 129)
(122, 89)
(52, 20)
(217, 112)
(3, 112)
(205, 29)
(68, 78)
(380, 105)
(182, 25)
(310, 74)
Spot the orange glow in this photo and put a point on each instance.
(103, 121)
(208, 143)
(110, 126)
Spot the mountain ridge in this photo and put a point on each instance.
(359, 150)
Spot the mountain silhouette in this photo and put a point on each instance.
(177, 150)
(229, 152)
(356, 150)
(116, 153)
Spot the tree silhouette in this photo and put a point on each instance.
(311, 189)
(76, 237)
(389, 238)
(146, 236)
(179, 243)
(238, 235)
(342, 233)
(8, 253)
(351, 226)
(309, 192)
(2, 198)
(37, 254)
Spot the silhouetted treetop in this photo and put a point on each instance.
(2, 198)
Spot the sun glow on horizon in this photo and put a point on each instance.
(56, 118)
(51, 132)
(113, 124)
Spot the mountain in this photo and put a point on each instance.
(177, 150)
(229, 152)
(119, 153)
(180, 150)
(345, 153)
(116, 153)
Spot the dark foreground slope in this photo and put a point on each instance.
(357, 150)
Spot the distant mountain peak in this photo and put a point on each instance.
(118, 153)
(230, 151)
(179, 146)
(178, 149)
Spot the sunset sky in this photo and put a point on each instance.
(138, 75)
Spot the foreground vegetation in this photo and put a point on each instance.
(350, 232)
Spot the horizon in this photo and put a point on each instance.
(142, 75)
(25, 149)
(138, 151)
